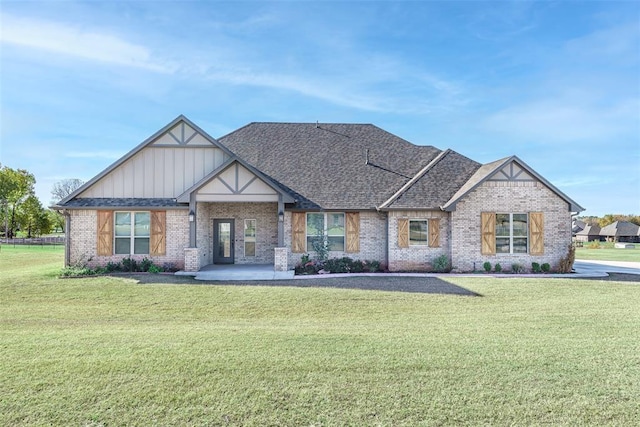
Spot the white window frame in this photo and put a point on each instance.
(511, 236)
(326, 229)
(132, 233)
(426, 241)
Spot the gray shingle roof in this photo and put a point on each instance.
(620, 229)
(325, 165)
(589, 230)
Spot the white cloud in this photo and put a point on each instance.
(76, 41)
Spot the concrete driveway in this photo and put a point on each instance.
(604, 267)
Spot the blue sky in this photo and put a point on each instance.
(555, 83)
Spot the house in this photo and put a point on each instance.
(590, 233)
(621, 231)
(577, 226)
(265, 192)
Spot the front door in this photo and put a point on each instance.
(223, 238)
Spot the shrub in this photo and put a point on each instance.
(339, 265)
(145, 264)
(545, 267)
(441, 264)
(535, 267)
(497, 268)
(372, 266)
(76, 271)
(566, 262)
(154, 269)
(487, 266)
(357, 266)
(593, 245)
(129, 264)
(517, 268)
(113, 266)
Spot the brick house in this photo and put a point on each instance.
(265, 192)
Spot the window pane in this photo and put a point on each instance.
(249, 248)
(123, 224)
(503, 227)
(315, 224)
(141, 245)
(142, 225)
(335, 226)
(519, 245)
(123, 246)
(418, 232)
(502, 245)
(520, 225)
(336, 243)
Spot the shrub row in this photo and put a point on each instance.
(518, 268)
(127, 265)
(337, 265)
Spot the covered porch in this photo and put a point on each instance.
(236, 217)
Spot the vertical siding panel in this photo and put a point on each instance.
(148, 173)
(169, 168)
(138, 176)
(158, 164)
(189, 172)
(178, 173)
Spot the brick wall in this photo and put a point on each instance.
(83, 240)
(508, 197)
(373, 239)
(266, 216)
(416, 258)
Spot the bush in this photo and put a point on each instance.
(154, 269)
(372, 266)
(566, 262)
(487, 266)
(593, 245)
(357, 266)
(441, 264)
(535, 267)
(545, 267)
(76, 271)
(497, 268)
(129, 264)
(339, 265)
(113, 266)
(517, 268)
(145, 264)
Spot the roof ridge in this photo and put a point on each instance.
(415, 178)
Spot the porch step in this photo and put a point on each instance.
(237, 272)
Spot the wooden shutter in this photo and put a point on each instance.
(536, 233)
(105, 233)
(434, 233)
(158, 239)
(488, 231)
(298, 232)
(403, 232)
(352, 220)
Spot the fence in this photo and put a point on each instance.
(35, 241)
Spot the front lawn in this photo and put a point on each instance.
(114, 351)
(606, 252)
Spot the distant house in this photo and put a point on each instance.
(577, 226)
(621, 231)
(589, 233)
(267, 191)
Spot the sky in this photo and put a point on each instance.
(556, 83)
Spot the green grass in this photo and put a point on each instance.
(113, 351)
(606, 252)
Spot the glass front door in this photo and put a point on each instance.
(223, 241)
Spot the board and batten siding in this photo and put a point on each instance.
(158, 172)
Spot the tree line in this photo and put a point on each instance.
(21, 211)
(609, 219)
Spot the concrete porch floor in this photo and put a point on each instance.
(238, 272)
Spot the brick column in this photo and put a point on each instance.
(281, 259)
(191, 259)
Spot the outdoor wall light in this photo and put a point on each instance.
(192, 216)
(281, 216)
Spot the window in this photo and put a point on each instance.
(132, 232)
(511, 233)
(249, 237)
(329, 226)
(418, 235)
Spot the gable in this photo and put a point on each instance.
(163, 166)
(511, 172)
(236, 183)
